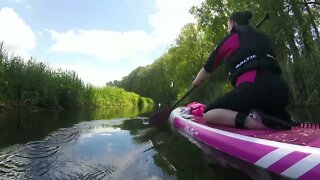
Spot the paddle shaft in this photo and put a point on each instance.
(183, 97)
(266, 16)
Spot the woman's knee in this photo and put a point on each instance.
(212, 115)
(220, 116)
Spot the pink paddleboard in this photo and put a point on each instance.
(291, 153)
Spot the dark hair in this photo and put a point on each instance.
(241, 17)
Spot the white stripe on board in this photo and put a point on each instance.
(302, 166)
(272, 157)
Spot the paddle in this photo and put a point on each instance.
(162, 116)
(159, 118)
(266, 16)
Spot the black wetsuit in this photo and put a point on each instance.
(253, 71)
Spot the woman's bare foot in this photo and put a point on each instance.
(253, 121)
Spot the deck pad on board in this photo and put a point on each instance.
(307, 136)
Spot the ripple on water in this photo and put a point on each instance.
(54, 158)
(34, 158)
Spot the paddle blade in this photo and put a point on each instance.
(160, 118)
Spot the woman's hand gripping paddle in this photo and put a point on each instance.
(160, 118)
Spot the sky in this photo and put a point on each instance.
(102, 40)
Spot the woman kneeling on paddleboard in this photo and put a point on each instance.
(260, 96)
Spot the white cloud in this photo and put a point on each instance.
(170, 17)
(88, 72)
(15, 33)
(104, 44)
(166, 22)
(135, 46)
(39, 33)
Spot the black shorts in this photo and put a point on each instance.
(268, 93)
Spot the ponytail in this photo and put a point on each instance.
(241, 17)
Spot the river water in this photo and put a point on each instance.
(111, 144)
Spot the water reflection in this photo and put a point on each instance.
(70, 145)
(180, 159)
(110, 149)
(22, 127)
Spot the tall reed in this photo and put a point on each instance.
(34, 85)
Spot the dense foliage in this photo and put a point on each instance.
(33, 85)
(294, 28)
